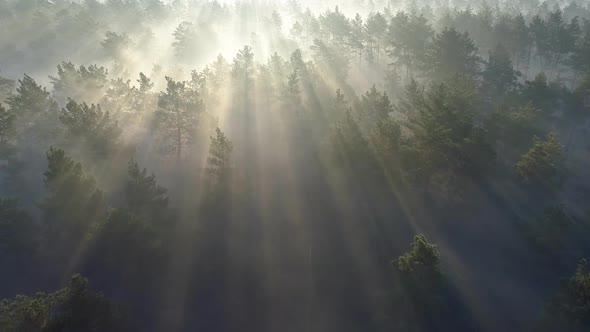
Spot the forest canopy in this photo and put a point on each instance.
(361, 165)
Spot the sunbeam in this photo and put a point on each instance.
(294, 165)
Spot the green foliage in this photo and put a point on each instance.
(128, 245)
(144, 196)
(6, 87)
(431, 141)
(243, 68)
(131, 240)
(120, 96)
(375, 107)
(540, 93)
(335, 24)
(291, 94)
(358, 36)
(91, 125)
(177, 119)
(83, 83)
(423, 256)
(513, 127)
(73, 308)
(409, 36)
(386, 141)
(6, 130)
(330, 61)
(376, 27)
(498, 76)
(73, 205)
(10, 166)
(349, 147)
(115, 45)
(569, 309)
(544, 163)
(199, 82)
(18, 232)
(296, 30)
(34, 115)
(445, 143)
(147, 200)
(219, 163)
(417, 298)
(560, 38)
(142, 98)
(184, 40)
(30, 99)
(145, 84)
(452, 53)
(580, 58)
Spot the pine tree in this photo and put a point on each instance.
(498, 76)
(82, 84)
(375, 108)
(74, 205)
(292, 93)
(10, 165)
(569, 309)
(408, 37)
(30, 100)
(445, 139)
(76, 307)
(452, 53)
(376, 27)
(19, 234)
(177, 118)
(220, 156)
(144, 196)
(185, 40)
(417, 298)
(358, 37)
(544, 164)
(6, 131)
(243, 75)
(92, 125)
(348, 145)
(423, 255)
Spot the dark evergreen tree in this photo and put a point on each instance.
(177, 119)
(417, 299)
(19, 234)
(544, 164)
(219, 163)
(499, 77)
(83, 84)
(74, 308)
(91, 125)
(74, 205)
(452, 53)
(409, 37)
(569, 309)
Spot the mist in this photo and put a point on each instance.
(356, 165)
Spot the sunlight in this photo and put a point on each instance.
(258, 165)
